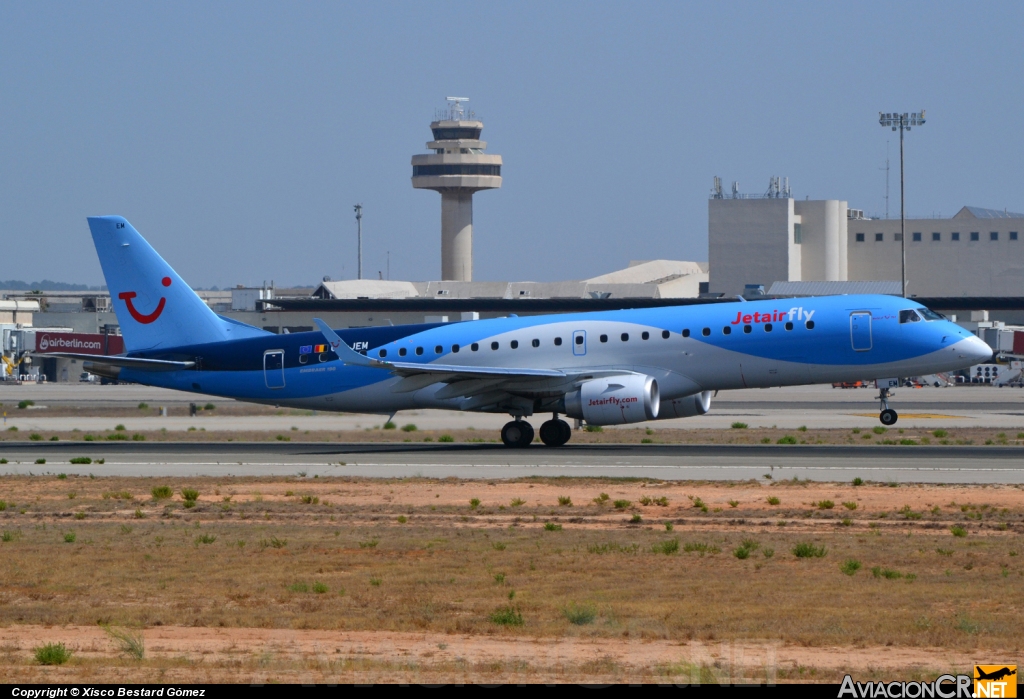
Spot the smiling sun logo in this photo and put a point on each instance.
(144, 318)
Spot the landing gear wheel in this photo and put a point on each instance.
(517, 433)
(555, 433)
(888, 417)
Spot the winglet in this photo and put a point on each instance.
(345, 353)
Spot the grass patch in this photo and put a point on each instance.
(786, 439)
(517, 502)
(552, 527)
(621, 504)
(825, 504)
(850, 505)
(700, 547)
(371, 544)
(958, 531)
(51, 653)
(446, 438)
(129, 643)
(580, 614)
(507, 616)
(808, 550)
(850, 566)
(887, 573)
(80, 460)
(739, 425)
(666, 547)
(565, 500)
(772, 500)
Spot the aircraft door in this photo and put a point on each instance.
(579, 342)
(860, 330)
(273, 368)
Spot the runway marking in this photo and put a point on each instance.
(919, 416)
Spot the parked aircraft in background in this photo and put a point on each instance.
(606, 368)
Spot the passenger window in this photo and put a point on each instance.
(645, 335)
(768, 327)
(726, 330)
(494, 345)
(665, 334)
(401, 352)
(706, 332)
(303, 358)
(535, 343)
(789, 326)
(810, 325)
(474, 347)
(686, 332)
(747, 329)
(558, 341)
(514, 344)
(419, 350)
(603, 338)
(455, 349)
(579, 339)
(909, 316)
(625, 337)
(382, 353)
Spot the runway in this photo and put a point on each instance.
(900, 464)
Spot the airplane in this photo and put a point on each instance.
(604, 368)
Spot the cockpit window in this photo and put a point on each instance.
(909, 316)
(929, 314)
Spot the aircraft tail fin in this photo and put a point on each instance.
(155, 307)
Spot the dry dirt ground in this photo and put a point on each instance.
(619, 435)
(595, 580)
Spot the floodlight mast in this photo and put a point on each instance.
(902, 122)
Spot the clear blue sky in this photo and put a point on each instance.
(237, 136)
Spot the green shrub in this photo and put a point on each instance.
(278, 543)
(739, 425)
(700, 547)
(119, 428)
(205, 539)
(621, 504)
(117, 437)
(81, 460)
(939, 433)
(474, 503)
(887, 573)
(69, 538)
(209, 406)
(402, 519)
(138, 437)
(161, 492)
(580, 615)
(768, 552)
(499, 546)
(189, 494)
(850, 566)
(40, 461)
(36, 437)
(88, 438)
(741, 553)
(669, 526)
(594, 428)
(309, 499)
(517, 502)
(22, 404)
(636, 518)
(446, 438)
(734, 503)
(507, 616)
(750, 544)
(51, 653)
(825, 504)
(879, 429)
(858, 481)
(298, 587)
(552, 527)
(62, 476)
(3, 505)
(409, 428)
(666, 547)
(565, 500)
(772, 500)
(390, 425)
(601, 499)
(320, 588)
(850, 505)
(786, 439)
(801, 428)
(958, 531)
(807, 550)
(371, 544)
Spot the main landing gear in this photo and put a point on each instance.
(888, 416)
(519, 433)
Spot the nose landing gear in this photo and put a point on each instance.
(888, 416)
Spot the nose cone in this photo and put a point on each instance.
(976, 349)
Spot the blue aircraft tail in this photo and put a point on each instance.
(155, 307)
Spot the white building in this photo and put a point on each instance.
(775, 238)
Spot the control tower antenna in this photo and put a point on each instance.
(359, 234)
(456, 168)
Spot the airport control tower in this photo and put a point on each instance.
(457, 168)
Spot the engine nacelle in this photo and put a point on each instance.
(687, 406)
(615, 400)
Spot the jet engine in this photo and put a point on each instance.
(615, 400)
(687, 406)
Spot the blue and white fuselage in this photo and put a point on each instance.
(604, 367)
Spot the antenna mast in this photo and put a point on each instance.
(359, 233)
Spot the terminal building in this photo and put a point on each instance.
(773, 241)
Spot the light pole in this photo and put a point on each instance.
(359, 233)
(902, 122)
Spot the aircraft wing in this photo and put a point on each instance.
(101, 360)
(463, 381)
